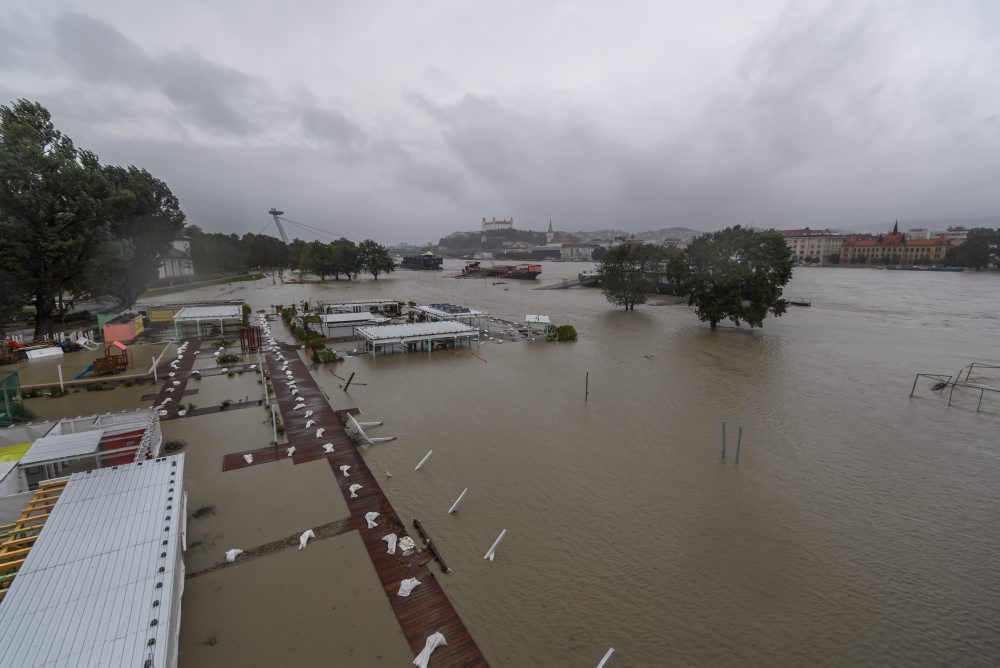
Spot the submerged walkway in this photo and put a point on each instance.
(181, 375)
(427, 609)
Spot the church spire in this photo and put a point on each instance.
(895, 228)
(550, 225)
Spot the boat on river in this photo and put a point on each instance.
(521, 272)
(427, 260)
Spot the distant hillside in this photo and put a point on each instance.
(655, 236)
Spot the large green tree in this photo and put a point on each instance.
(145, 218)
(736, 274)
(52, 198)
(374, 258)
(627, 273)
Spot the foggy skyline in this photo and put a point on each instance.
(407, 121)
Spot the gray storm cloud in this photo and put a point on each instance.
(826, 114)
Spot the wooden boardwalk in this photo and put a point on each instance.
(181, 374)
(427, 609)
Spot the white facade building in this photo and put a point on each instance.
(176, 262)
(817, 245)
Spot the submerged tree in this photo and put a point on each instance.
(735, 273)
(374, 258)
(627, 273)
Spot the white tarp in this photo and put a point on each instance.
(434, 641)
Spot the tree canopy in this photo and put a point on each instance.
(72, 227)
(374, 258)
(736, 274)
(627, 273)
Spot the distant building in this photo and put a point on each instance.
(919, 233)
(955, 234)
(573, 253)
(894, 248)
(176, 262)
(495, 225)
(812, 245)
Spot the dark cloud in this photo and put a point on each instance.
(843, 114)
(210, 97)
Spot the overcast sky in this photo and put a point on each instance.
(403, 121)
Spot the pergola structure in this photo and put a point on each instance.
(424, 336)
(211, 315)
(454, 312)
(358, 305)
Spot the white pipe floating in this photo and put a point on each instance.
(607, 655)
(461, 496)
(426, 457)
(490, 552)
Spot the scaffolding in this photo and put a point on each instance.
(979, 388)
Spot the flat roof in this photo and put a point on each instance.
(52, 447)
(349, 317)
(332, 302)
(209, 313)
(416, 331)
(85, 593)
(5, 468)
(540, 319)
(449, 311)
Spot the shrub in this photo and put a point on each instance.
(174, 446)
(204, 511)
(56, 391)
(228, 358)
(225, 404)
(327, 357)
(566, 333)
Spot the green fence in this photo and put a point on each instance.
(10, 396)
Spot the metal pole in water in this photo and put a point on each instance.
(723, 439)
(493, 548)
(63, 388)
(461, 496)
(607, 655)
(739, 441)
(155, 377)
(426, 457)
(586, 387)
(349, 381)
(912, 389)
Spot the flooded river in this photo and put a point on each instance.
(860, 526)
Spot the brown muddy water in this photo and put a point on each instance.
(860, 526)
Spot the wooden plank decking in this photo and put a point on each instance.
(427, 609)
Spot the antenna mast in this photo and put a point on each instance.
(277, 221)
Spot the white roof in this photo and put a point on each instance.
(209, 313)
(416, 330)
(541, 319)
(5, 468)
(62, 446)
(334, 302)
(348, 317)
(85, 594)
(440, 313)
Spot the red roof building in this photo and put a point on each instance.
(893, 248)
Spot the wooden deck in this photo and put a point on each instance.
(182, 374)
(427, 609)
